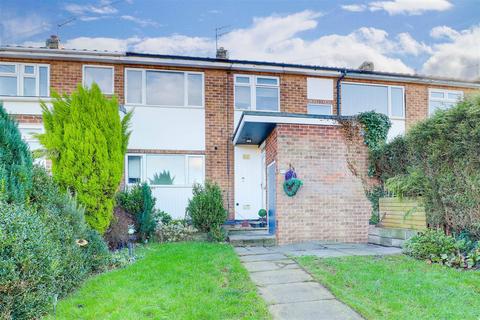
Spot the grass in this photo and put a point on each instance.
(399, 287)
(171, 281)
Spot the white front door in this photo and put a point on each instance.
(248, 182)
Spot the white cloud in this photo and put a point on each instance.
(459, 58)
(176, 44)
(410, 7)
(140, 21)
(354, 7)
(100, 44)
(408, 45)
(443, 32)
(103, 8)
(16, 28)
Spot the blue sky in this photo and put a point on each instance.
(440, 37)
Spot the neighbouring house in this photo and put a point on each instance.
(239, 123)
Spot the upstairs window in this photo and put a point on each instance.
(442, 99)
(257, 93)
(164, 88)
(102, 76)
(25, 80)
(357, 98)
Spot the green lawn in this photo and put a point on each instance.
(399, 287)
(171, 281)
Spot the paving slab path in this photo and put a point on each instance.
(290, 292)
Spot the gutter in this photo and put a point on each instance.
(344, 74)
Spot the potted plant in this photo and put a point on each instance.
(262, 213)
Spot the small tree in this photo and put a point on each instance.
(15, 161)
(86, 141)
(206, 207)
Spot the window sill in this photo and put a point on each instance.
(24, 99)
(132, 105)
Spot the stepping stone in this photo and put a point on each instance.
(294, 292)
(270, 265)
(263, 257)
(264, 278)
(313, 310)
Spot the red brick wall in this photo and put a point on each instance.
(331, 205)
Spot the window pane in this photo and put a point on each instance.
(134, 86)
(29, 70)
(8, 86)
(165, 88)
(7, 68)
(134, 169)
(195, 170)
(361, 98)
(103, 77)
(267, 81)
(434, 105)
(324, 109)
(267, 99)
(29, 87)
(242, 97)
(43, 71)
(245, 80)
(436, 95)
(166, 170)
(397, 102)
(454, 96)
(195, 96)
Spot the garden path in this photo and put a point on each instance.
(290, 292)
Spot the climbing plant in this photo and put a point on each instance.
(370, 128)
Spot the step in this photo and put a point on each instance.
(252, 239)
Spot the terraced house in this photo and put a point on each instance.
(242, 124)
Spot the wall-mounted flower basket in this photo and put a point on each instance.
(292, 184)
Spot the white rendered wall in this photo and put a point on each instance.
(319, 89)
(160, 128)
(173, 200)
(23, 105)
(397, 129)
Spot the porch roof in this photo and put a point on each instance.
(255, 126)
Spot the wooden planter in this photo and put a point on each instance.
(405, 213)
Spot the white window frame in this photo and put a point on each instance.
(20, 75)
(253, 84)
(321, 104)
(389, 96)
(99, 67)
(444, 99)
(143, 168)
(144, 88)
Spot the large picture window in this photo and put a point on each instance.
(442, 99)
(357, 98)
(166, 169)
(25, 80)
(259, 93)
(164, 88)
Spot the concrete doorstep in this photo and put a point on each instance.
(290, 292)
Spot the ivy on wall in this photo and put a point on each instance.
(370, 128)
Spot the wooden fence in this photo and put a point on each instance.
(404, 213)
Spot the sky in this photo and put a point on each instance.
(432, 37)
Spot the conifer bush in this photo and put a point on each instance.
(86, 141)
(206, 209)
(15, 161)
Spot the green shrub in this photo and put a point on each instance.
(205, 209)
(430, 244)
(175, 231)
(375, 127)
(407, 185)
(28, 259)
(217, 234)
(161, 217)
(139, 202)
(15, 161)
(86, 141)
(390, 159)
